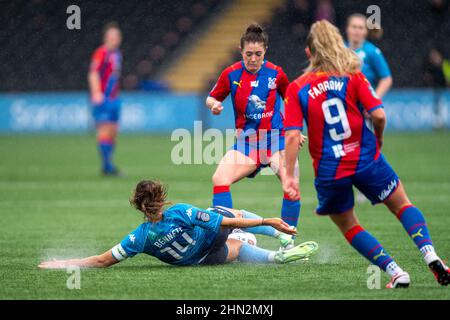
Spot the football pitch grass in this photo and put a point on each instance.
(54, 204)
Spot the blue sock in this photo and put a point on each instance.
(290, 211)
(264, 230)
(415, 225)
(106, 148)
(253, 254)
(222, 196)
(370, 248)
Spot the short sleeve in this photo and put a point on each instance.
(366, 94)
(131, 245)
(282, 82)
(222, 87)
(193, 216)
(97, 60)
(293, 114)
(380, 64)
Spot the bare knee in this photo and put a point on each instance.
(397, 200)
(219, 179)
(234, 246)
(345, 221)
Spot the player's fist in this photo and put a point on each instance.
(291, 187)
(216, 108)
(280, 225)
(97, 98)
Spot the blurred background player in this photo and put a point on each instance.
(104, 82)
(373, 64)
(330, 97)
(257, 87)
(186, 235)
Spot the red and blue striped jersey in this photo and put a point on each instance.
(256, 97)
(108, 64)
(333, 108)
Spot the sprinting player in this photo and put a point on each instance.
(331, 97)
(104, 81)
(257, 88)
(186, 235)
(373, 64)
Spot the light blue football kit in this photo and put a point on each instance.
(374, 65)
(184, 236)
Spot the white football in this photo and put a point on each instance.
(243, 236)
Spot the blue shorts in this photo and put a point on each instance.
(260, 150)
(108, 111)
(377, 182)
(219, 249)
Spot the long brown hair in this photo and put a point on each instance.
(149, 197)
(328, 51)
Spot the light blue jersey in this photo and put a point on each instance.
(374, 65)
(184, 236)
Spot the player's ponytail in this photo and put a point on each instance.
(328, 51)
(255, 33)
(149, 197)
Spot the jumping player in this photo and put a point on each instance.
(186, 235)
(331, 97)
(104, 78)
(257, 88)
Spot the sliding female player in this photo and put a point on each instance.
(186, 235)
(104, 77)
(331, 96)
(257, 87)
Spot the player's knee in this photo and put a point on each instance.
(234, 247)
(219, 179)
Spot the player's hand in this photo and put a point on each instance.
(53, 264)
(280, 225)
(291, 187)
(302, 140)
(217, 108)
(380, 142)
(97, 98)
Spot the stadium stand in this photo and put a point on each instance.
(215, 46)
(405, 45)
(168, 42)
(42, 54)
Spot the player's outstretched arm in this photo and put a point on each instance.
(100, 261)
(276, 223)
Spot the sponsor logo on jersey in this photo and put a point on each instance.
(189, 212)
(238, 83)
(256, 107)
(203, 216)
(254, 84)
(272, 83)
(386, 192)
(338, 151)
(257, 102)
